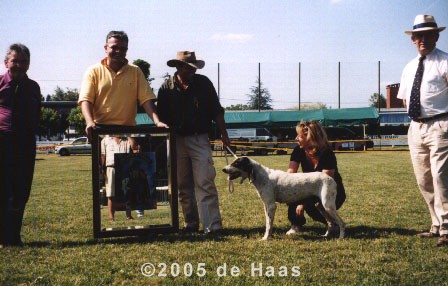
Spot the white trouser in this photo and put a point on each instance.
(196, 182)
(110, 182)
(428, 145)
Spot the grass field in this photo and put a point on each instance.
(383, 211)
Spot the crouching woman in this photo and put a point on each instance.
(314, 154)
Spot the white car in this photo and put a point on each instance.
(78, 146)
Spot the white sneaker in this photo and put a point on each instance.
(140, 213)
(294, 230)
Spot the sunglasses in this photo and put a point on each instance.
(118, 48)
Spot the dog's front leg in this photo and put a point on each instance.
(269, 210)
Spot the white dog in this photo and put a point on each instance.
(283, 187)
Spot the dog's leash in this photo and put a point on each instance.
(231, 152)
(231, 187)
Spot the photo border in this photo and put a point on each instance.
(172, 182)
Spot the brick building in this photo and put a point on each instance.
(391, 96)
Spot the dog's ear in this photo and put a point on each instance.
(247, 166)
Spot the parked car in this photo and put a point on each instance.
(78, 146)
(258, 140)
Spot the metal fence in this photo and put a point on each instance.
(334, 84)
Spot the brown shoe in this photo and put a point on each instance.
(443, 240)
(426, 234)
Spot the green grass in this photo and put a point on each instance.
(383, 211)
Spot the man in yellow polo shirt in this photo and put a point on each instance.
(111, 89)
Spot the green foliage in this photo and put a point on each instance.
(76, 120)
(383, 211)
(310, 106)
(49, 122)
(238, 107)
(374, 99)
(70, 94)
(166, 76)
(144, 67)
(259, 97)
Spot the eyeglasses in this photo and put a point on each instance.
(426, 35)
(118, 48)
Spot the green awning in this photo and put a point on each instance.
(289, 118)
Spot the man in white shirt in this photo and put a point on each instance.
(424, 91)
(109, 147)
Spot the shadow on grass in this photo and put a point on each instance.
(38, 244)
(354, 232)
(311, 233)
(317, 232)
(369, 232)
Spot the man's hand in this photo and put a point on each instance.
(225, 140)
(87, 112)
(161, 124)
(89, 128)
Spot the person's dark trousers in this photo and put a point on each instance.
(309, 205)
(17, 168)
(311, 210)
(5, 187)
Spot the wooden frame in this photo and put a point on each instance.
(159, 135)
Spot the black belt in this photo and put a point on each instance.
(426, 119)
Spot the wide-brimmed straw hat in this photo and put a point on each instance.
(424, 23)
(188, 58)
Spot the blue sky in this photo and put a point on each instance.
(66, 37)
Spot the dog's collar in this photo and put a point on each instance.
(251, 175)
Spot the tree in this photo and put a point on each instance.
(310, 106)
(238, 107)
(71, 94)
(145, 67)
(374, 100)
(166, 76)
(76, 120)
(48, 123)
(259, 97)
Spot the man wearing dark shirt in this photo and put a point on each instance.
(20, 100)
(188, 103)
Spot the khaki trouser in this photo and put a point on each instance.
(196, 182)
(110, 182)
(428, 145)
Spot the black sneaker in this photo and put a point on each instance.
(189, 230)
(443, 240)
(216, 233)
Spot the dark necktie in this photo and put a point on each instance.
(414, 104)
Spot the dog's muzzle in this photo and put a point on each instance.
(232, 173)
